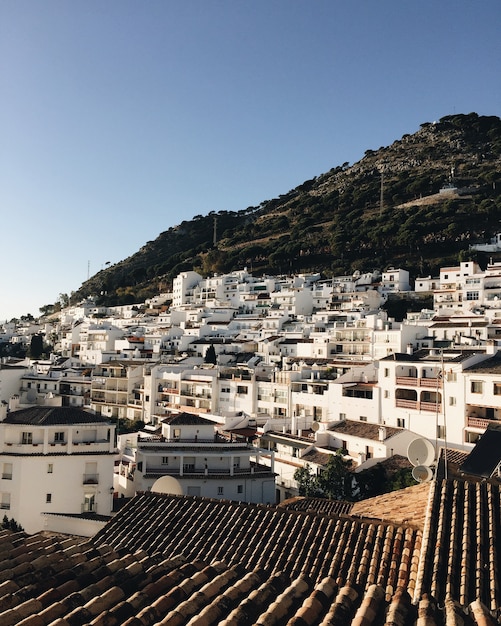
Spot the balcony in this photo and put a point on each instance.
(479, 422)
(418, 406)
(153, 471)
(413, 381)
(90, 479)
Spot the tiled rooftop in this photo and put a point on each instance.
(53, 416)
(167, 560)
(405, 506)
(366, 430)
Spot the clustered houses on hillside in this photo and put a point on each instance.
(314, 365)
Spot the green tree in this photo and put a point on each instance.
(210, 355)
(336, 480)
(306, 481)
(371, 482)
(36, 346)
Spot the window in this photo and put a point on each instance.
(386, 372)
(497, 389)
(5, 501)
(27, 438)
(476, 386)
(342, 416)
(452, 377)
(7, 471)
(400, 422)
(48, 498)
(363, 418)
(59, 437)
(240, 488)
(242, 389)
(471, 437)
(440, 431)
(472, 295)
(50, 468)
(386, 393)
(220, 491)
(452, 401)
(165, 460)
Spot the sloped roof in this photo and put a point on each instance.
(188, 419)
(488, 366)
(181, 560)
(365, 430)
(486, 455)
(405, 506)
(53, 416)
(318, 505)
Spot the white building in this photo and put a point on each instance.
(188, 456)
(182, 288)
(56, 461)
(426, 392)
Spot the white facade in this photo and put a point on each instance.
(63, 458)
(182, 287)
(190, 457)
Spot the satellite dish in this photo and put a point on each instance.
(315, 426)
(422, 473)
(168, 484)
(421, 452)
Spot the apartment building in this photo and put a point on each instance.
(426, 392)
(188, 455)
(56, 461)
(467, 288)
(116, 390)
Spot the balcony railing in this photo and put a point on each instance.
(90, 479)
(418, 406)
(413, 381)
(479, 422)
(201, 471)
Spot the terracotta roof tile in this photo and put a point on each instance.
(180, 560)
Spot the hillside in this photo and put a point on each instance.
(388, 209)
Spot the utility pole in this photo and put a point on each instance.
(381, 194)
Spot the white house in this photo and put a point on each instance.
(55, 461)
(188, 456)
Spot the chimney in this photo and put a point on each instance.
(382, 433)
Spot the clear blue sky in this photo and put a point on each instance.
(121, 118)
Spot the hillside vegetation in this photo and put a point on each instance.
(388, 209)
